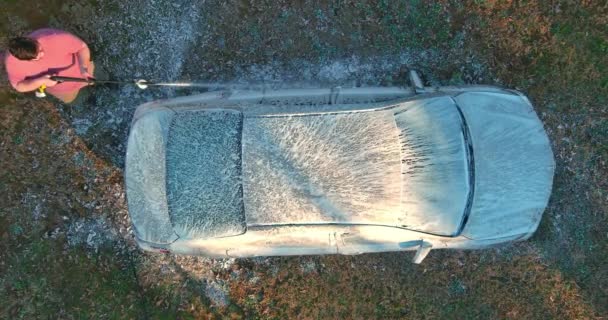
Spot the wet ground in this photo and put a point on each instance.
(66, 246)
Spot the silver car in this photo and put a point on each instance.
(337, 171)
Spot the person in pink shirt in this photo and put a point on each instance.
(33, 59)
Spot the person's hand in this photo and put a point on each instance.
(84, 71)
(46, 80)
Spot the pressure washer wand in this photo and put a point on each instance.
(142, 84)
(40, 92)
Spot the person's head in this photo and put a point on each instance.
(24, 48)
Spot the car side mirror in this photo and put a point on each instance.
(416, 81)
(423, 250)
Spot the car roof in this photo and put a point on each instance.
(321, 168)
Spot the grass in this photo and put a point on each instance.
(556, 52)
(359, 288)
(41, 282)
(244, 34)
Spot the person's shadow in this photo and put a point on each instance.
(101, 116)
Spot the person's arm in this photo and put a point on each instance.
(78, 47)
(35, 83)
(84, 59)
(74, 45)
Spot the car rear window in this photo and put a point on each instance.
(203, 163)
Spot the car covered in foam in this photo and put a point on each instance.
(337, 171)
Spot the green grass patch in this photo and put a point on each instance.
(45, 281)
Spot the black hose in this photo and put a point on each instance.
(89, 80)
(71, 79)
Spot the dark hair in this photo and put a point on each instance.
(23, 48)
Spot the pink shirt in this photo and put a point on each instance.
(59, 58)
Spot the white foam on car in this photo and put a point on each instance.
(342, 168)
(145, 172)
(203, 164)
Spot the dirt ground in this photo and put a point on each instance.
(66, 247)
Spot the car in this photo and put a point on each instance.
(238, 173)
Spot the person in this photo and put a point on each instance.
(33, 59)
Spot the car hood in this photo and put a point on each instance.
(513, 164)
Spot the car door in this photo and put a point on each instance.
(284, 240)
(359, 239)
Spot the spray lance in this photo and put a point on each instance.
(141, 84)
